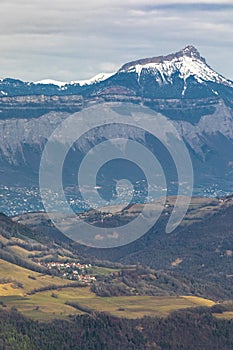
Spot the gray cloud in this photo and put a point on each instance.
(71, 40)
(190, 6)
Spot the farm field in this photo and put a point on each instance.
(53, 304)
(228, 315)
(17, 276)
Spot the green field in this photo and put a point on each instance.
(21, 275)
(52, 304)
(228, 315)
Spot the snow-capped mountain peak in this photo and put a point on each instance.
(186, 62)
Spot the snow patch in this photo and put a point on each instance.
(50, 81)
(96, 79)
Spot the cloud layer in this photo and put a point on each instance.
(70, 40)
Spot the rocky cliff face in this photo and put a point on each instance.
(210, 141)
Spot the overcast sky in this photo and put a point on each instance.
(75, 39)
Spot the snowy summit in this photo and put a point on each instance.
(187, 62)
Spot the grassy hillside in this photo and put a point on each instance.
(198, 253)
(201, 248)
(185, 272)
(62, 302)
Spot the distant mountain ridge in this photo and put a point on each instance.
(184, 74)
(96, 79)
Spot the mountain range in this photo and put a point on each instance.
(184, 74)
(181, 86)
